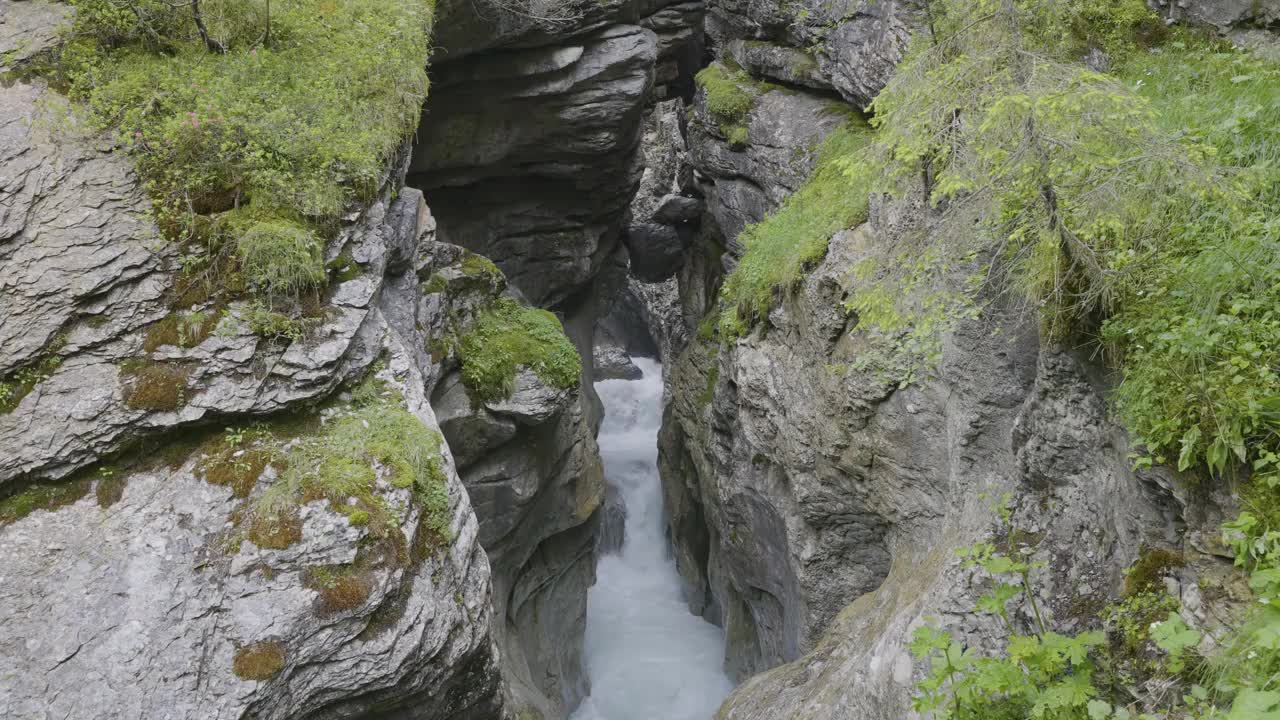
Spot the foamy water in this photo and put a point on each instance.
(648, 657)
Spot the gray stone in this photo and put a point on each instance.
(532, 402)
(536, 170)
(1225, 16)
(29, 28)
(800, 485)
(783, 63)
(470, 431)
(849, 45)
(744, 183)
(677, 209)
(138, 608)
(531, 467)
(613, 363)
(656, 251)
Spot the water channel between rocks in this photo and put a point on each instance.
(648, 657)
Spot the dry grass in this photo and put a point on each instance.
(259, 661)
(156, 386)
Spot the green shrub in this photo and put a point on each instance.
(1197, 327)
(777, 250)
(303, 121)
(508, 336)
(281, 259)
(291, 118)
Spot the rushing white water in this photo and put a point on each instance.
(648, 657)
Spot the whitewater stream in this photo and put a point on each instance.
(648, 657)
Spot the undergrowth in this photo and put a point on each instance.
(291, 110)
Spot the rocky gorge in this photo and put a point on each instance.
(377, 492)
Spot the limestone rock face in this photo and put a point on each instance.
(849, 46)
(816, 509)
(529, 156)
(744, 182)
(132, 584)
(136, 605)
(1232, 17)
(530, 464)
(89, 277)
(133, 595)
(28, 28)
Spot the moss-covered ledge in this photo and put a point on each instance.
(507, 336)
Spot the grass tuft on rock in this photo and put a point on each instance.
(508, 336)
(281, 259)
(780, 248)
(259, 661)
(730, 94)
(238, 458)
(157, 386)
(181, 328)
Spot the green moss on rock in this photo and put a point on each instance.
(480, 267)
(109, 487)
(730, 94)
(1148, 571)
(781, 247)
(17, 385)
(373, 438)
(508, 336)
(42, 496)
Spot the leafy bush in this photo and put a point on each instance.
(1197, 329)
(1042, 673)
(777, 250)
(508, 336)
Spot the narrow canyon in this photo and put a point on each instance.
(637, 359)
